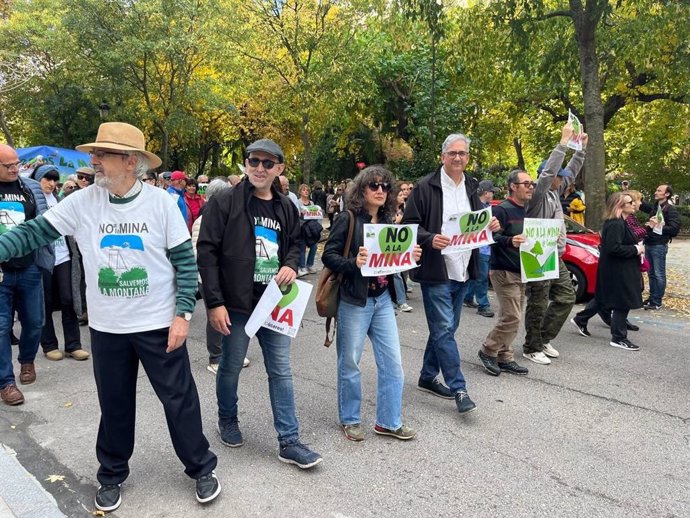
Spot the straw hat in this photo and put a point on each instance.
(121, 137)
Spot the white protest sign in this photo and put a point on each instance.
(539, 252)
(467, 230)
(575, 141)
(390, 247)
(310, 212)
(280, 309)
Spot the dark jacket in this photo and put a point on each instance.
(504, 256)
(354, 288)
(227, 246)
(618, 275)
(671, 225)
(425, 207)
(319, 196)
(45, 256)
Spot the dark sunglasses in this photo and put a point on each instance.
(526, 184)
(268, 164)
(84, 177)
(374, 186)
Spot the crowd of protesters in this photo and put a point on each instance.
(180, 238)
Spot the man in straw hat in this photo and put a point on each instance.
(141, 281)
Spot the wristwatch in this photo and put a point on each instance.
(186, 316)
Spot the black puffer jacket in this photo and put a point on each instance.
(354, 289)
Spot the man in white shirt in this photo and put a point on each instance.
(443, 278)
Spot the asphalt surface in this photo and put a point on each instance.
(600, 432)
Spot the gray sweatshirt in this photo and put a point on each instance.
(546, 203)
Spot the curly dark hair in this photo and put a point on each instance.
(354, 196)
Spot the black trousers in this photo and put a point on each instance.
(57, 287)
(115, 364)
(619, 317)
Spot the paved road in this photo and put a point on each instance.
(600, 432)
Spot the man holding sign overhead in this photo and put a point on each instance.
(549, 302)
(250, 235)
(448, 192)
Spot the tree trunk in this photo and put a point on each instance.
(306, 144)
(517, 144)
(595, 181)
(6, 129)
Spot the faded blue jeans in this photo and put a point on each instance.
(275, 348)
(377, 321)
(443, 305)
(21, 289)
(479, 288)
(656, 255)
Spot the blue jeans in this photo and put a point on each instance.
(275, 348)
(442, 305)
(377, 321)
(21, 290)
(307, 261)
(656, 255)
(479, 288)
(399, 285)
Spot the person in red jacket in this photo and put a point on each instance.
(194, 202)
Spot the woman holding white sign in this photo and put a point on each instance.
(366, 308)
(311, 232)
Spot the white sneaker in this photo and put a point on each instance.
(212, 368)
(539, 358)
(550, 351)
(405, 308)
(301, 272)
(311, 269)
(246, 362)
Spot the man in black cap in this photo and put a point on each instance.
(479, 287)
(250, 235)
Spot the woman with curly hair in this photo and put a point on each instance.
(366, 308)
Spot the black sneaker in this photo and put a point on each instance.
(464, 403)
(207, 487)
(436, 388)
(489, 363)
(582, 328)
(631, 327)
(230, 433)
(513, 368)
(298, 454)
(108, 497)
(625, 344)
(650, 306)
(470, 304)
(486, 312)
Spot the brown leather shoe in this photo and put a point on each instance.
(11, 395)
(78, 354)
(28, 374)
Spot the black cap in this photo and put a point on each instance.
(267, 146)
(485, 186)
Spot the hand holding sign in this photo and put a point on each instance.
(362, 257)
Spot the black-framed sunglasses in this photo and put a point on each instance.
(527, 184)
(83, 177)
(374, 186)
(268, 164)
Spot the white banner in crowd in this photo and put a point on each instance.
(467, 230)
(390, 247)
(539, 252)
(280, 309)
(311, 212)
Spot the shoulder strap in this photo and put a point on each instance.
(350, 230)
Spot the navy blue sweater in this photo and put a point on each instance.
(504, 256)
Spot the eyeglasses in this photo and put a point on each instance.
(453, 154)
(100, 154)
(374, 186)
(11, 165)
(69, 188)
(254, 162)
(84, 177)
(526, 184)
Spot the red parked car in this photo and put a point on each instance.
(581, 257)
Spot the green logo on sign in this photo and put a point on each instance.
(395, 239)
(474, 222)
(290, 293)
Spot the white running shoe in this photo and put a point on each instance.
(246, 362)
(539, 358)
(550, 351)
(405, 308)
(301, 272)
(311, 269)
(212, 368)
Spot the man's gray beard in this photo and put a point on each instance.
(103, 181)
